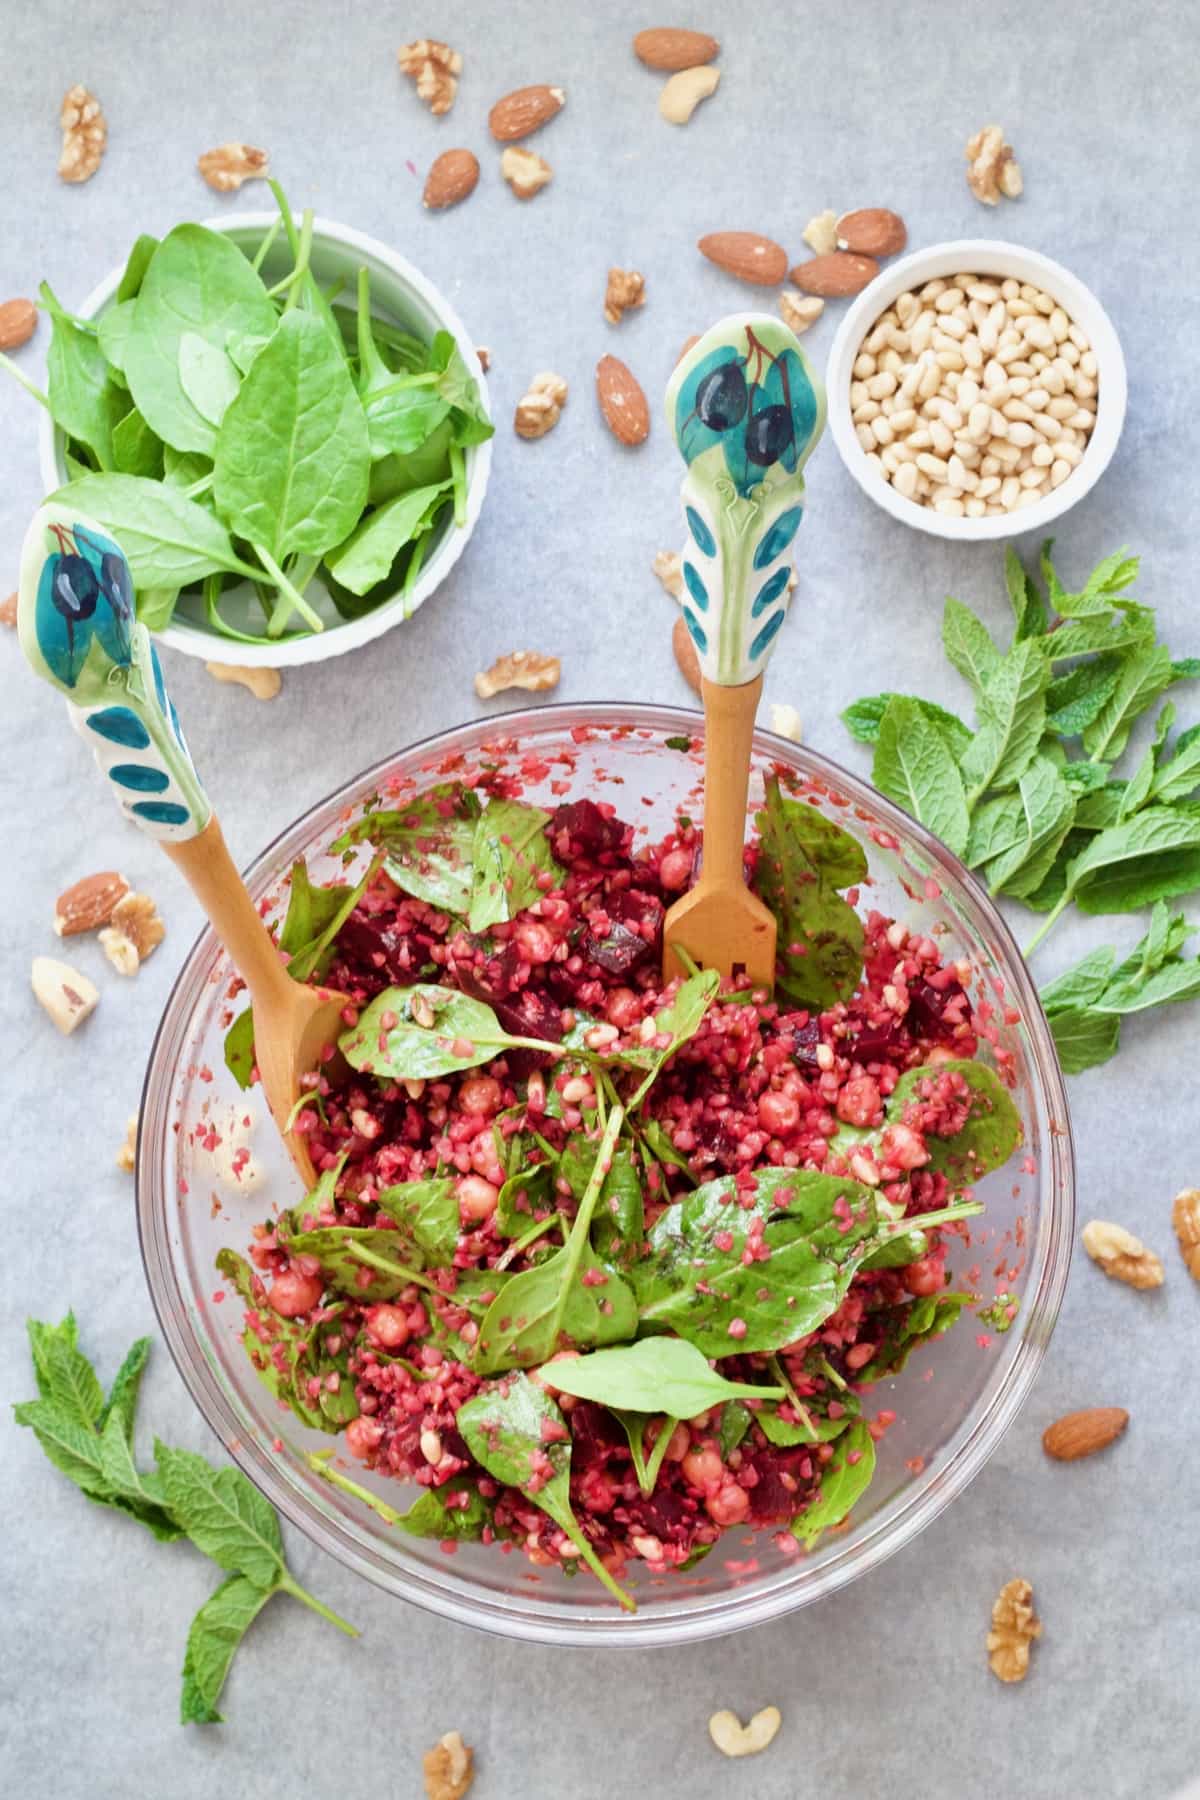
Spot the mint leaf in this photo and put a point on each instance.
(74, 1449)
(141, 1495)
(216, 1631)
(1084, 1038)
(1029, 611)
(914, 768)
(998, 826)
(223, 1513)
(1131, 628)
(64, 1374)
(1179, 776)
(864, 717)
(1012, 718)
(123, 1394)
(1104, 588)
(1082, 985)
(1075, 699)
(969, 645)
(1048, 804)
(1143, 677)
(1149, 857)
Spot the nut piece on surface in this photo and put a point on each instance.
(626, 289)
(449, 1768)
(435, 68)
(872, 231)
(538, 411)
(85, 133)
(88, 904)
(667, 47)
(668, 566)
(485, 357)
(732, 1738)
(836, 276)
(798, 315)
(126, 1157)
(785, 720)
(622, 402)
(523, 111)
(264, 684)
(747, 255)
(992, 168)
(525, 171)
(527, 669)
(688, 344)
(683, 93)
(226, 167)
(8, 610)
(136, 931)
(1121, 1255)
(1185, 1216)
(66, 995)
(18, 322)
(820, 234)
(685, 654)
(1014, 1627)
(1083, 1433)
(452, 176)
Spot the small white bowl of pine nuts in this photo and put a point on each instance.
(976, 390)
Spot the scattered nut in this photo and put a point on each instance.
(519, 669)
(229, 165)
(449, 1768)
(539, 409)
(746, 255)
(89, 903)
(668, 566)
(872, 231)
(435, 68)
(685, 654)
(785, 720)
(8, 610)
(820, 234)
(1014, 1627)
(485, 357)
(992, 168)
(85, 133)
(525, 171)
(66, 995)
(524, 111)
(264, 684)
(127, 1155)
(452, 176)
(622, 402)
(626, 289)
(688, 344)
(1121, 1255)
(835, 276)
(798, 315)
(1083, 1433)
(732, 1738)
(1185, 1216)
(136, 931)
(18, 322)
(666, 47)
(683, 93)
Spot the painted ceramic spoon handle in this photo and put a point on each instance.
(745, 409)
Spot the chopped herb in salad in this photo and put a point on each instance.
(603, 1266)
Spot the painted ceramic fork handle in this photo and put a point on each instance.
(213, 877)
(729, 714)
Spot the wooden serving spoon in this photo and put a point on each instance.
(78, 629)
(746, 410)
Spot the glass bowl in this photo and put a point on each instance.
(953, 1403)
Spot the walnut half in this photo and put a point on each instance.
(1014, 1627)
(85, 134)
(435, 68)
(229, 165)
(136, 930)
(992, 169)
(519, 669)
(539, 409)
(1122, 1255)
(626, 289)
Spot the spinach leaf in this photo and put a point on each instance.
(112, 331)
(655, 1375)
(736, 1421)
(136, 450)
(529, 1191)
(196, 281)
(899, 1330)
(366, 557)
(207, 376)
(430, 1516)
(677, 1021)
(803, 859)
(216, 1631)
(396, 474)
(863, 718)
(619, 1221)
(426, 1213)
(990, 1134)
(518, 1435)
(136, 264)
(401, 411)
(427, 846)
(913, 766)
(1012, 718)
(84, 399)
(422, 1032)
(168, 540)
(239, 1049)
(843, 1482)
(509, 852)
(968, 644)
(287, 1355)
(569, 1295)
(397, 1258)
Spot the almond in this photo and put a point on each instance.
(622, 401)
(666, 47)
(1083, 1433)
(18, 320)
(835, 276)
(872, 231)
(746, 255)
(685, 654)
(89, 903)
(523, 111)
(688, 344)
(452, 176)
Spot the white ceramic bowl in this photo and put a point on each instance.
(402, 296)
(986, 257)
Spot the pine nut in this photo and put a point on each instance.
(882, 430)
(864, 365)
(1059, 470)
(975, 508)
(989, 485)
(1010, 492)
(1043, 456)
(949, 503)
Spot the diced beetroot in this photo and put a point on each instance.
(927, 1007)
(772, 1498)
(581, 829)
(634, 932)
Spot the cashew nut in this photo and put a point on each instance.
(732, 1738)
(684, 92)
(264, 684)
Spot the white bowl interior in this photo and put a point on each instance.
(401, 296)
(984, 257)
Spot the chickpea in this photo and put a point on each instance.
(623, 1008)
(923, 1277)
(362, 1436)
(675, 869)
(859, 1101)
(293, 1293)
(729, 1506)
(778, 1113)
(703, 1468)
(535, 940)
(387, 1326)
(903, 1147)
(476, 1198)
(480, 1094)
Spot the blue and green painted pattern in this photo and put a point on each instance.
(79, 631)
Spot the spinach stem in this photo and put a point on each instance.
(415, 560)
(290, 600)
(310, 1600)
(199, 487)
(285, 214)
(794, 1401)
(655, 1461)
(264, 249)
(373, 1260)
(29, 386)
(300, 272)
(537, 1230)
(458, 471)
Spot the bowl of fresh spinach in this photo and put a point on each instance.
(284, 425)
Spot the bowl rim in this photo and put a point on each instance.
(946, 258)
(348, 634)
(519, 1617)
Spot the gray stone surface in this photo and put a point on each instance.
(884, 1689)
